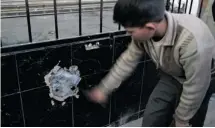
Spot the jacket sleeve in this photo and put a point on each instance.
(196, 62)
(122, 69)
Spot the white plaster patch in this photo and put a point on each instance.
(63, 83)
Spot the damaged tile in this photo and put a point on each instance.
(93, 57)
(62, 82)
(33, 66)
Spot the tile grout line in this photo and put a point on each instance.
(141, 91)
(21, 101)
(99, 72)
(11, 94)
(33, 89)
(73, 121)
(113, 57)
(110, 111)
(114, 44)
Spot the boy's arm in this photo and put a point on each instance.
(122, 69)
(196, 62)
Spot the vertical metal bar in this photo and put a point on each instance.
(119, 27)
(80, 19)
(55, 18)
(101, 15)
(200, 10)
(179, 6)
(167, 5)
(173, 2)
(28, 20)
(186, 6)
(191, 5)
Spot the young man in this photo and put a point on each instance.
(181, 46)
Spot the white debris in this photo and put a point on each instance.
(63, 103)
(61, 81)
(52, 102)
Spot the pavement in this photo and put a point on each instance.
(15, 31)
(209, 121)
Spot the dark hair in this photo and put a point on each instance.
(136, 13)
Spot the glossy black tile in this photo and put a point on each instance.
(92, 61)
(121, 44)
(87, 113)
(88, 82)
(33, 66)
(11, 111)
(9, 81)
(126, 99)
(39, 111)
(150, 80)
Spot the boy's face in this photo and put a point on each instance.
(142, 33)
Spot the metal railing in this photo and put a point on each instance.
(170, 6)
(181, 6)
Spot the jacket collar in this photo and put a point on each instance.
(169, 38)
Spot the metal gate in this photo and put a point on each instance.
(176, 6)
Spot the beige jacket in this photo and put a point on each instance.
(186, 53)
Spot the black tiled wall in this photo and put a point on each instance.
(38, 110)
(11, 111)
(86, 113)
(25, 98)
(9, 79)
(93, 61)
(33, 66)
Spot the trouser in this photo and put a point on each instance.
(164, 100)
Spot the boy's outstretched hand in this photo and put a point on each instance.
(97, 96)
